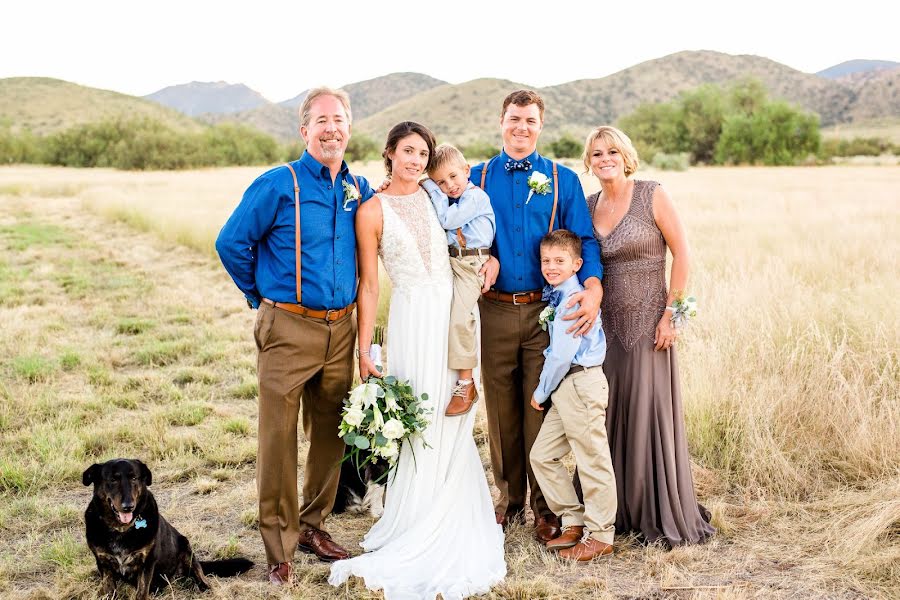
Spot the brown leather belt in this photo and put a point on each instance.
(514, 298)
(332, 314)
(457, 252)
(575, 369)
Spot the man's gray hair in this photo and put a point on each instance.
(318, 92)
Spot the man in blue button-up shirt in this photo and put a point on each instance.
(512, 341)
(305, 329)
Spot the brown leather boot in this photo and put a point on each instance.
(546, 528)
(571, 535)
(587, 550)
(315, 541)
(463, 399)
(281, 574)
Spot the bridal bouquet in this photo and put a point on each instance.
(380, 414)
(683, 309)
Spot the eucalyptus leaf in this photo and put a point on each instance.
(361, 442)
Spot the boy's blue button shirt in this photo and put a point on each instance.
(520, 227)
(472, 212)
(565, 349)
(257, 243)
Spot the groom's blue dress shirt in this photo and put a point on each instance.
(565, 350)
(257, 243)
(520, 227)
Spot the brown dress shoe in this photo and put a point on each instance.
(281, 574)
(587, 550)
(463, 399)
(514, 516)
(570, 536)
(546, 528)
(315, 541)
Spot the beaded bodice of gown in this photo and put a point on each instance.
(413, 245)
(634, 270)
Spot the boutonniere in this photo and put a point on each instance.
(350, 194)
(538, 183)
(546, 316)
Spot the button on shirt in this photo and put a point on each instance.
(472, 212)
(520, 227)
(257, 243)
(565, 349)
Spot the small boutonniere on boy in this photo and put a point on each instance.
(552, 297)
(350, 195)
(538, 183)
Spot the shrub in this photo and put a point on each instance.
(776, 134)
(566, 146)
(671, 162)
(479, 150)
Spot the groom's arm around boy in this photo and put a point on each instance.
(576, 420)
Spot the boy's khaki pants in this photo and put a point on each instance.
(462, 353)
(576, 422)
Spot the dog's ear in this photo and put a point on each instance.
(144, 470)
(90, 474)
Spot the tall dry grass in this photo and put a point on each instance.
(790, 373)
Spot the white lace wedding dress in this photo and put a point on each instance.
(438, 534)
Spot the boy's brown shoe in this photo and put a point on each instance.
(571, 535)
(463, 399)
(281, 574)
(587, 550)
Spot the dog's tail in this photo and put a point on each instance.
(228, 567)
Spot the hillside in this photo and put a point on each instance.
(851, 67)
(45, 105)
(877, 96)
(465, 112)
(277, 121)
(199, 97)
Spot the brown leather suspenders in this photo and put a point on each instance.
(297, 219)
(555, 193)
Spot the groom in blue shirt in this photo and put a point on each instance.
(512, 341)
(290, 247)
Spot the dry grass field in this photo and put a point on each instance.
(121, 335)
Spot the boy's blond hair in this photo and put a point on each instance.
(446, 154)
(564, 239)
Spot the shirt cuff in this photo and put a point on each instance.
(539, 397)
(253, 301)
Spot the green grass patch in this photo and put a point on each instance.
(188, 414)
(246, 390)
(33, 368)
(186, 376)
(21, 236)
(134, 326)
(14, 478)
(65, 550)
(99, 375)
(160, 354)
(69, 360)
(237, 426)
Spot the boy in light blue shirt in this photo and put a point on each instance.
(576, 421)
(465, 212)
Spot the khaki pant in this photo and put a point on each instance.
(462, 353)
(576, 422)
(512, 356)
(308, 361)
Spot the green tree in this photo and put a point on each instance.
(701, 113)
(565, 146)
(775, 134)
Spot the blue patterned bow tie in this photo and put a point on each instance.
(548, 294)
(518, 165)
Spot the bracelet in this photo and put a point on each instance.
(359, 352)
(672, 308)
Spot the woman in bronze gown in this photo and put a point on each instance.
(635, 221)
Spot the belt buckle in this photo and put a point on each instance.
(515, 299)
(328, 312)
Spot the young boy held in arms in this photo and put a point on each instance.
(464, 210)
(576, 420)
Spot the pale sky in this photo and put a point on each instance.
(280, 48)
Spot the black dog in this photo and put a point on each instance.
(132, 542)
(359, 494)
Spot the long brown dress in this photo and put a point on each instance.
(645, 420)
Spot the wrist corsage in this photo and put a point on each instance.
(682, 309)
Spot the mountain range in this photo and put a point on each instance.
(851, 92)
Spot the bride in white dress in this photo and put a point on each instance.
(438, 534)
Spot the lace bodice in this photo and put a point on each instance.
(634, 269)
(413, 245)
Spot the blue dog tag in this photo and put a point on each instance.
(140, 523)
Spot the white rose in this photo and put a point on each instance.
(389, 451)
(393, 429)
(538, 179)
(370, 396)
(354, 416)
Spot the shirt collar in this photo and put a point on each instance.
(568, 286)
(318, 169)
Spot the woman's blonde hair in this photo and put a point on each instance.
(614, 138)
